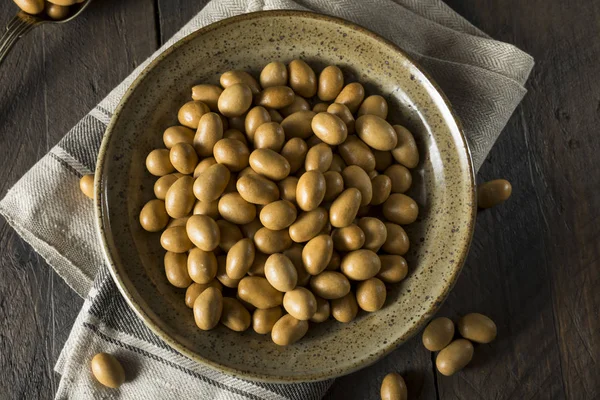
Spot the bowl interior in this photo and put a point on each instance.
(443, 187)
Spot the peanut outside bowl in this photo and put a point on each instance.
(443, 186)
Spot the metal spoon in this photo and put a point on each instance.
(22, 23)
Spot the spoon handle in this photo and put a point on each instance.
(16, 28)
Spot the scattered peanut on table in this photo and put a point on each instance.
(455, 355)
(86, 184)
(493, 193)
(108, 370)
(393, 387)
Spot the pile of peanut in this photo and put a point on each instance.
(274, 212)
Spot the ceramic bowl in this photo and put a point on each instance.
(443, 187)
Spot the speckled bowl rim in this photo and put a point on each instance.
(101, 208)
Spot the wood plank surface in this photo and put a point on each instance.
(534, 263)
(173, 14)
(52, 78)
(411, 360)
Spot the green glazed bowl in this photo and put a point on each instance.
(443, 186)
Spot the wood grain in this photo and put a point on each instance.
(98, 52)
(37, 312)
(535, 260)
(53, 77)
(534, 263)
(411, 360)
(32, 328)
(173, 14)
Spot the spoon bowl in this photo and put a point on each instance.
(23, 22)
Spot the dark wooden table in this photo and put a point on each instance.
(534, 263)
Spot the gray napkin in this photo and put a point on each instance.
(482, 78)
